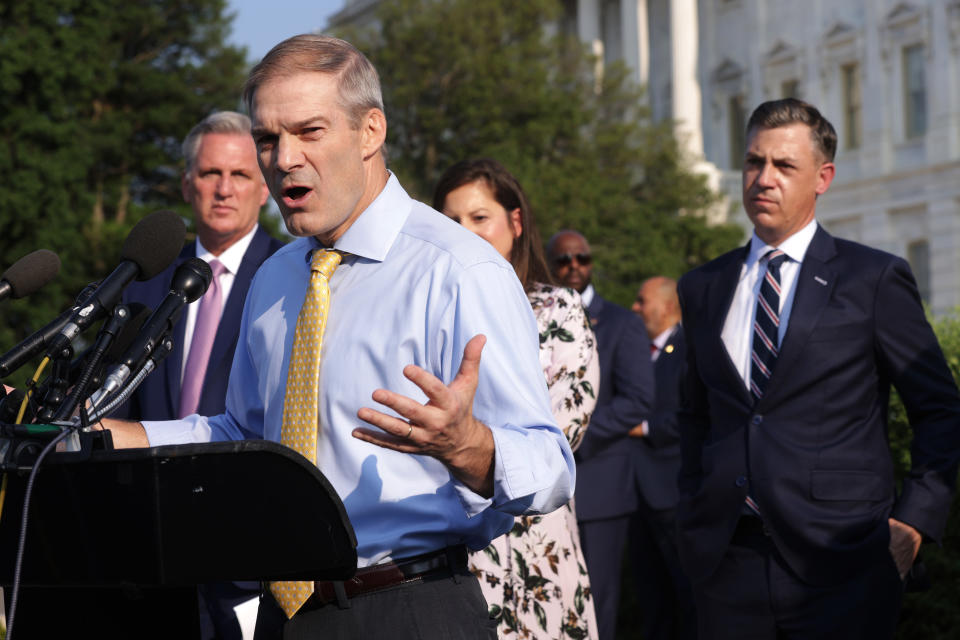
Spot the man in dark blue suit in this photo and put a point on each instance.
(224, 186)
(606, 493)
(790, 523)
(663, 590)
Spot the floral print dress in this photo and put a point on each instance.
(534, 577)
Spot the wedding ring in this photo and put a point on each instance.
(409, 432)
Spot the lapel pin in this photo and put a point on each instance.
(820, 280)
(668, 348)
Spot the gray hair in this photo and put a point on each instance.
(358, 82)
(219, 122)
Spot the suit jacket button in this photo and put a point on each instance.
(757, 419)
(741, 481)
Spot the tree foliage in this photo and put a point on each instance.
(95, 97)
(498, 78)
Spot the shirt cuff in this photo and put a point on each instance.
(194, 428)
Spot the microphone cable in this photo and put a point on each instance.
(22, 539)
(32, 385)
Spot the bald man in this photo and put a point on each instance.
(605, 496)
(664, 592)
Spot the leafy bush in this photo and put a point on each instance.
(935, 613)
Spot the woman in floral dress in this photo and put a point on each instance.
(534, 577)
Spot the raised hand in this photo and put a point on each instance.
(444, 427)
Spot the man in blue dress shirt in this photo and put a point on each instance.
(457, 446)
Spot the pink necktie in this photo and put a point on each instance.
(204, 332)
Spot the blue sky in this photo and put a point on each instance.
(260, 24)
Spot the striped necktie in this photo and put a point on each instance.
(766, 325)
(300, 404)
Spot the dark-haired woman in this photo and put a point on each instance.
(534, 577)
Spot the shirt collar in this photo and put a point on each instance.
(232, 256)
(663, 336)
(795, 246)
(586, 297)
(373, 233)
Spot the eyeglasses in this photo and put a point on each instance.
(565, 259)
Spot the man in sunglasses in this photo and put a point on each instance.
(606, 494)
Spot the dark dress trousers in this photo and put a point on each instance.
(158, 398)
(813, 451)
(665, 599)
(606, 492)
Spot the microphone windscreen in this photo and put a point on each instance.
(31, 272)
(154, 243)
(138, 315)
(192, 278)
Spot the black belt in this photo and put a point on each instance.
(389, 574)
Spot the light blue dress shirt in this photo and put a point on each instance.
(415, 289)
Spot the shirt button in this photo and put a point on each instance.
(741, 481)
(757, 419)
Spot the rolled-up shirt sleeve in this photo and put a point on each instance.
(534, 469)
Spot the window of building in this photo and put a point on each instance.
(918, 255)
(852, 106)
(737, 123)
(915, 91)
(790, 89)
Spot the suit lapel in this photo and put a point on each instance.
(229, 327)
(815, 283)
(594, 310)
(174, 362)
(719, 298)
(669, 354)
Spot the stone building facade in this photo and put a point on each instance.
(885, 72)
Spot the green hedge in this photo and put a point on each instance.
(935, 613)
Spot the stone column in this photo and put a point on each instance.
(636, 38)
(686, 97)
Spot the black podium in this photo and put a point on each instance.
(116, 543)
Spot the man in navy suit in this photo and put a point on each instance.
(224, 186)
(606, 495)
(790, 523)
(664, 594)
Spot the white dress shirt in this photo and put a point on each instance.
(738, 327)
(660, 341)
(414, 289)
(586, 296)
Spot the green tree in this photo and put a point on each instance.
(95, 96)
(495, 78)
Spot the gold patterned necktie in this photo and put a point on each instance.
(300, 404)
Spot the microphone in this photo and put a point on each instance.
(42, 402)
(40, 339)
(152, 245)
(28, 274)
(189, 282)
(111, 328)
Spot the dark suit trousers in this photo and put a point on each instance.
(665, 599)
(602, 542)
(436, 608)
(753, 595)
